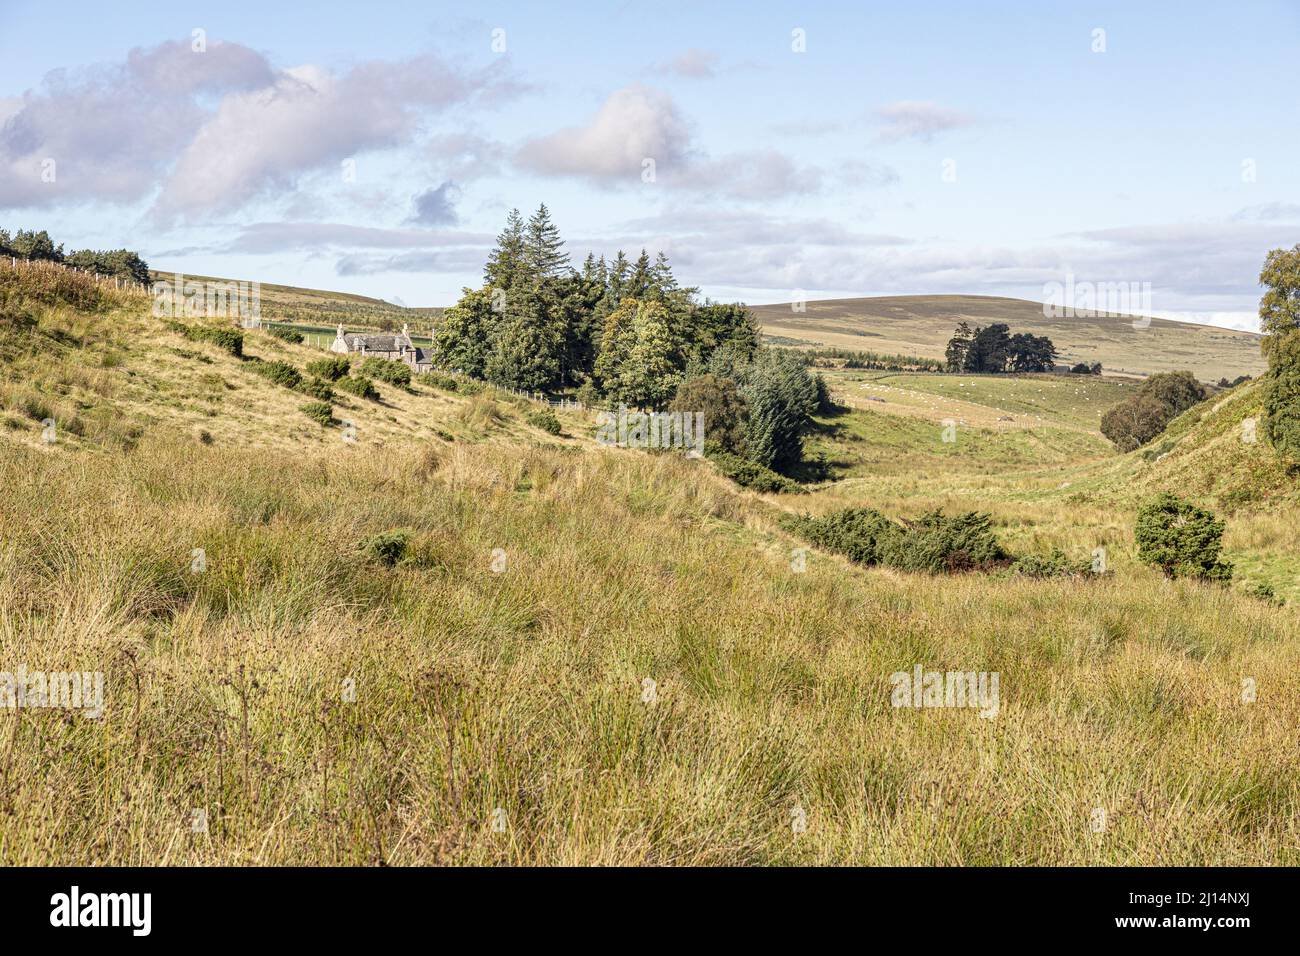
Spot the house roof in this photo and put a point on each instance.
(378, 343)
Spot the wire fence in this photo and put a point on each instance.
(46, 265)
(564, 404)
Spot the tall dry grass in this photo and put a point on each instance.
(503, 716)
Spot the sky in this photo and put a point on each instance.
(773, 151)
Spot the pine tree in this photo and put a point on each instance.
(527, 348)
(959, 347)
(506, 259)
(544, 249)
(618, 278)
(640, 277)
(662, 283)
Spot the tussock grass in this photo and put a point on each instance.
(522, 689)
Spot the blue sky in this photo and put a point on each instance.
(988, 148)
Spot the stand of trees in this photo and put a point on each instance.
(994, 349)
(1144, 414)
(623, 332)
(39, 247)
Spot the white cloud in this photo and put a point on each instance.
(112, 131)
(634, 124)
(310, 118)
(693, 64)
(464, 156)
(920, 120)
(205, 132)
(1269, 212)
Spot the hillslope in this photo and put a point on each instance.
(922, 324)
(595, 655)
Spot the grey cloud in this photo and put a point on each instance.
(449, 261)
(437, 206)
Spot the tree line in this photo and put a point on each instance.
(993, 348)
(625, 332)
(36, 246)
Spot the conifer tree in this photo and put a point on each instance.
(618, 278)
(662, 283)
(544, 254)
(640, 277)
(506, 259)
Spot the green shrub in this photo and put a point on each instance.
(361, 387)
(546, 421)
(281, 373)
(317, 389)
(1181, 539)
(856, 533)
(1055, 564)
(937, 543)
(329, 369)
(471, 387)
(387, 548)
(319, 412)
(934, 544)
(1263, 591)
(286, 333)
(232, 340)
(386, 370)
(751, 475)
(438, 380)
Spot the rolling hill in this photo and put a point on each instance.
(319, 311)
(922, 324)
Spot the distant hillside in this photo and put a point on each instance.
(313, 308)
(922, 325)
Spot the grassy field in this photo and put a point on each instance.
(595, 655)
(923, 324)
